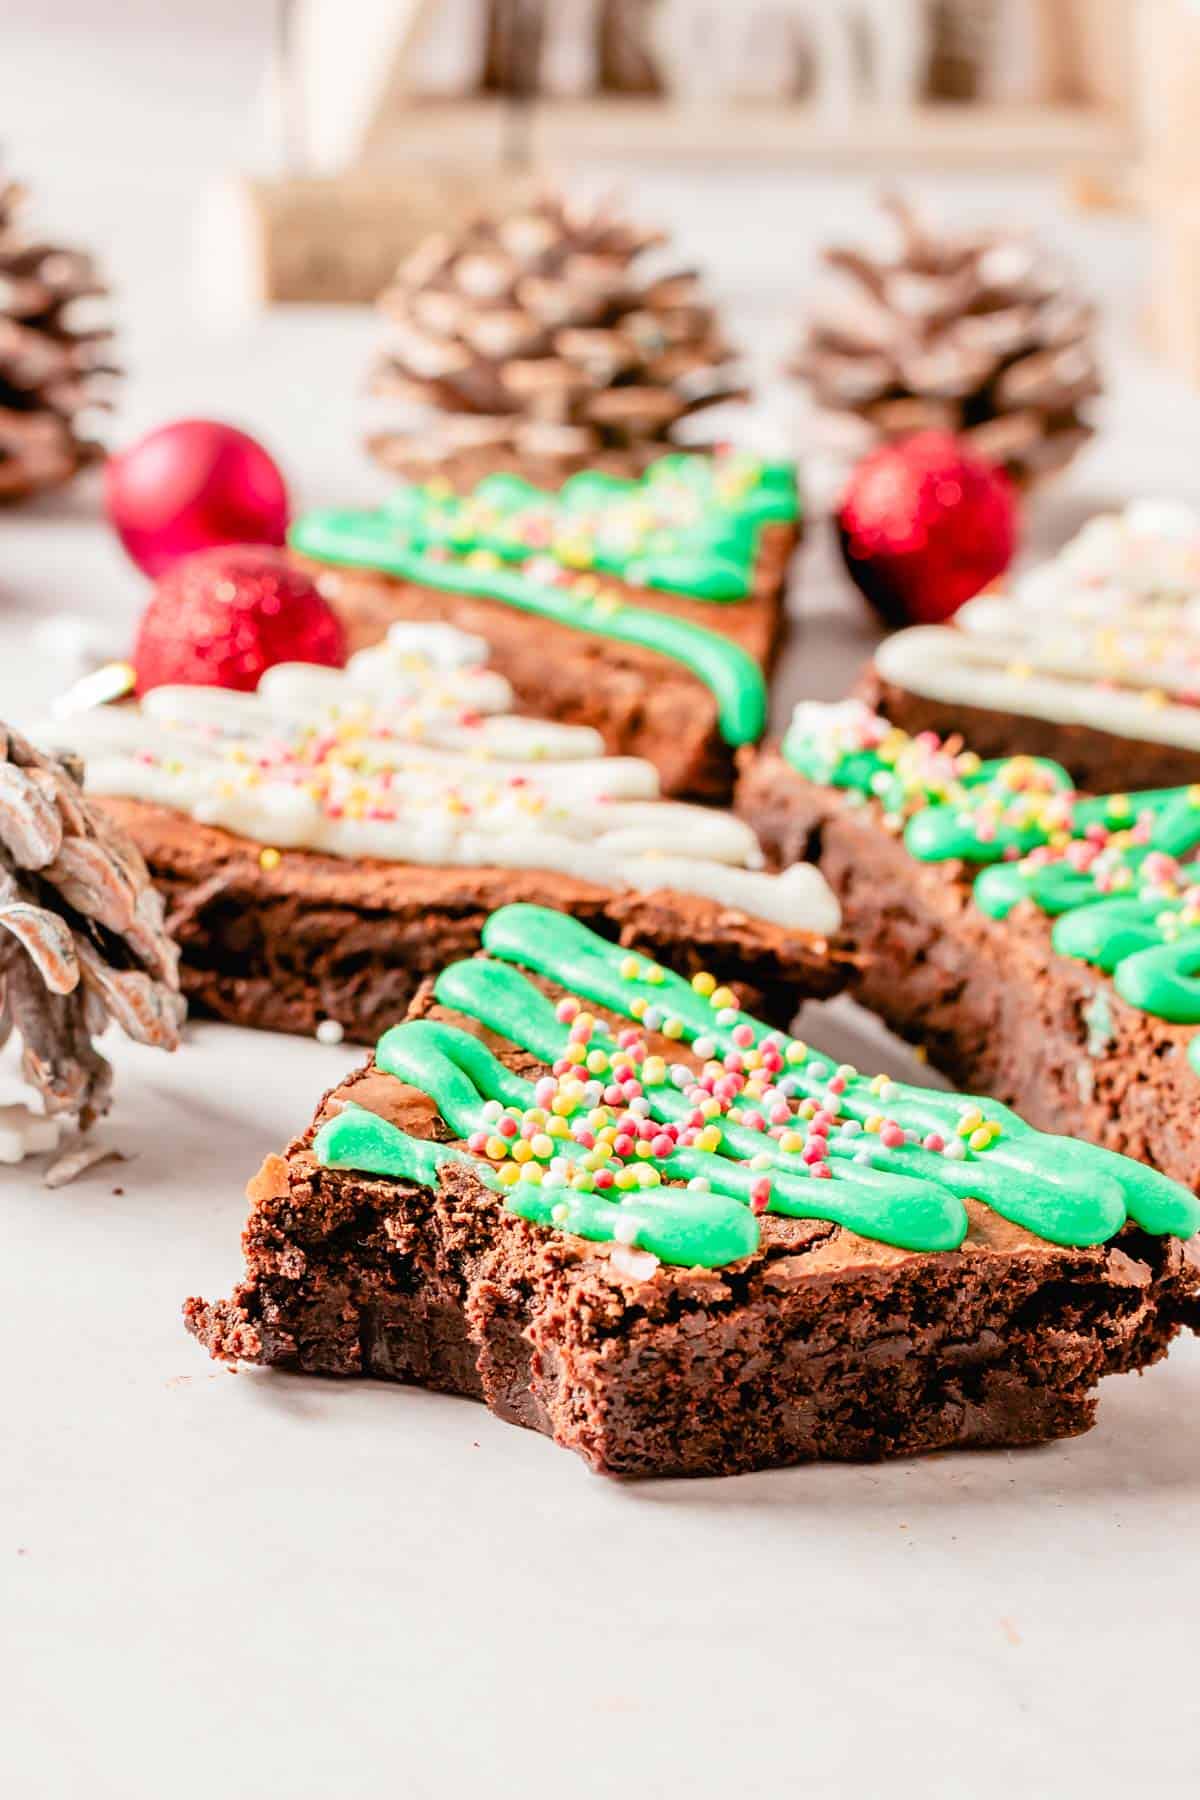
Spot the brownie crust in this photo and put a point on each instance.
(820, 1345)
(642, 703)
(316, 938)
(997, 1009)
(1097, 761)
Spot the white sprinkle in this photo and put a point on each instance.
(704, 1047)
(625, 1229)
(849, 1128)
(955, 1149)
(864, 1156)
(818, 1070)
(728, 1015)
(700, 1183)
(24, 1133)
(639, 1265)
(640, 1106)
(330, 1032)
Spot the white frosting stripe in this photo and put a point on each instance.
(946, 665)
(422, 765)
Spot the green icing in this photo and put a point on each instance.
(1131, 909)
(690, 526)
(899, 1192)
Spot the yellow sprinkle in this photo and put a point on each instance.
(522, 1151)
(704, 983)
(672, 1028)
(980, 1139)
(269, 859)
(575, 1053)
(626, 1178)
(796, 1052)
(532, 1171)
(542, 1144)
(654, 1069)
(496, 1147)
(637, 1007)
(597, 1062)
(558, 1128)
(969, 1121)
(509, 1175)
(598, 1118)
(874, 1122)
(791, 1140)
(643, 1148)
(631, 968)
(722, 997)
(709, 1138)
(655, 975)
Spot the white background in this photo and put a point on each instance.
(259, 1586)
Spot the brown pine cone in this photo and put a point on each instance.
(83, 939)
(535, 341)
(977, 333)
(52, 374)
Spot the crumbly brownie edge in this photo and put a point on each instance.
(1097, 761)
(314, 938)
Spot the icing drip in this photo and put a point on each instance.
(409, 755)
(677, 1151)
(1119, 873)
(690, 526)
(1107, 633)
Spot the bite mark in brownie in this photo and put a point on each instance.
(814, 1341)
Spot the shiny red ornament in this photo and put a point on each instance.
(924, 524)
(221, 618)
(192, 486)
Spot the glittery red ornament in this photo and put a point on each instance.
(191, 486)
(924, 524)
(221, 618)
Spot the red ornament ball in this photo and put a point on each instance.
(221, 618)
(924, 524)
(191, 486)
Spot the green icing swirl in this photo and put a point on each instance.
(903, 1193)
(690, 526)
(1115, 915)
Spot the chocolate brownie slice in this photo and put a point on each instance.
(328, 842)
(622, 1212)
(1037, 942)
(650, 610)
(1093, 658)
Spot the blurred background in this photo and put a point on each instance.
(248, 175)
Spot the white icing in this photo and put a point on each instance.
(1105, 634)
(417, 760)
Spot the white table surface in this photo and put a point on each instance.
(263, 1586)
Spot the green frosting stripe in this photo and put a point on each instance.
(691, 526)
(903, 1181)
(1117, 872)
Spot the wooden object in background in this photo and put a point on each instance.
(337, 239)
(1168, 62)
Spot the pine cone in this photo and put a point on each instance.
(975, 333)
(545, 348)
(85, 937)
(51, 374)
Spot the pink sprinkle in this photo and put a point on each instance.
(623, 1144)
(760, 1196)
(586, 1139)
(779, 1115)
(477, 1143)
(733, 1062)
(891, 1136)
(837, 1084)
(604, 1178)
(812, 1153)
(662, 1145)
(934, 1141)
(821, 1121)
(743, 1036)
(822, 1171)
(545, 1090)
(507, 1126)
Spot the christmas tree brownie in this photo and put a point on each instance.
(1040, 943)
(623, 1212)
(648, 609)
(328, 841)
